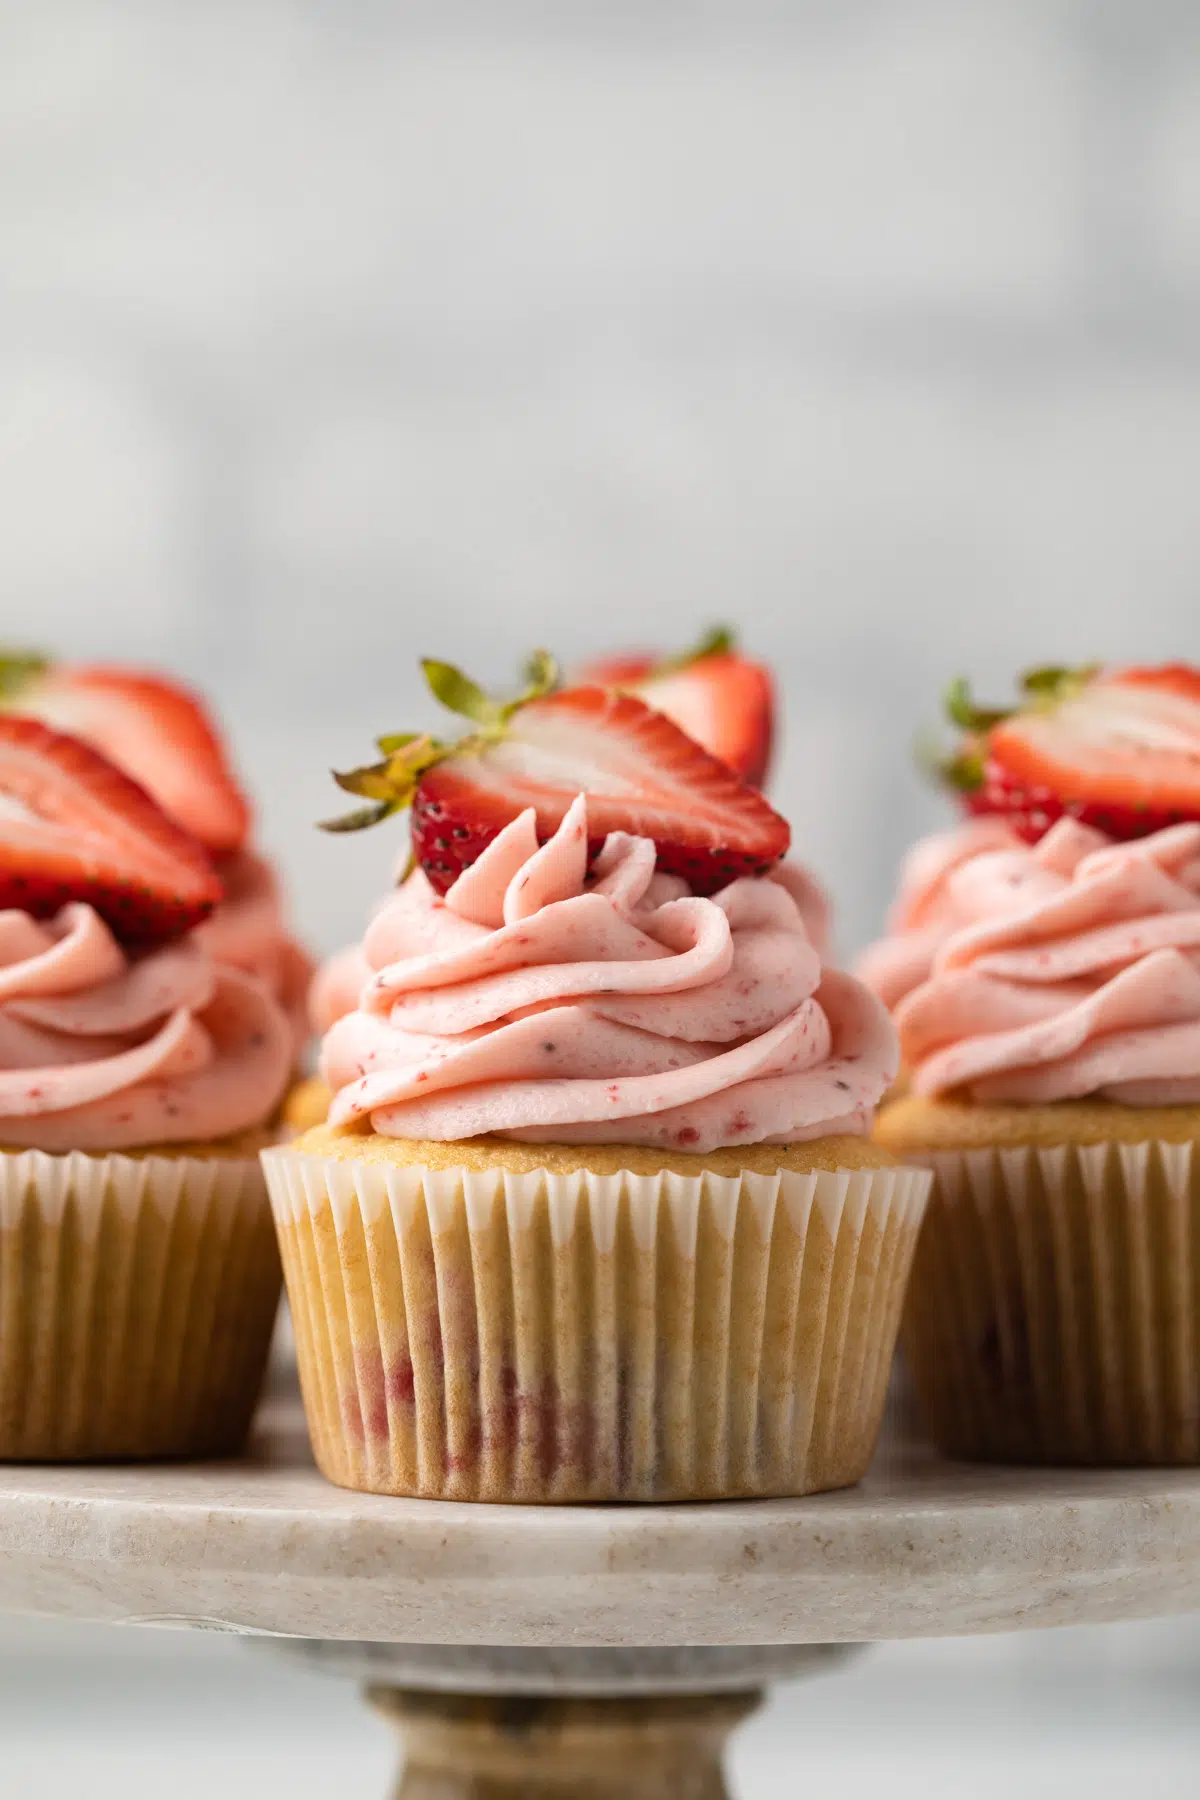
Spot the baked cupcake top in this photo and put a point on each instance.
(118, 1029)
(1032, 957)
(598, 944)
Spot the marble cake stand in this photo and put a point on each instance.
(588, 1652)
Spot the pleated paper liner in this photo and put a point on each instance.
(137, 1298)
(544, 1337)
(1054, 1309)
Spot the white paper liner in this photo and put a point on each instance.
(137, 1297)
(543, 1337)
(1054, 1309)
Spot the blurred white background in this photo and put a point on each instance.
(336, 332)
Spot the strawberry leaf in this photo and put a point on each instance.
(1056, 682)
(719, 640)
(408, 755)
(963, 772)
(459, 694)
(541, 677)
(361, 819)
(961, 709)
(372, 783)
(17, 669)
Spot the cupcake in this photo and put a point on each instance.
(139, 1276)
(596, 1215)
(161, 734)
(1044, 975)
(722, 700)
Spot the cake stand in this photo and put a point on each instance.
(595, 1651)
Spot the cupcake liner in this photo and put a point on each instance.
(1054, 1308)
(538, 1337)
(137, 1299)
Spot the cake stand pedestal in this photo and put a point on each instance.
(591, 1652)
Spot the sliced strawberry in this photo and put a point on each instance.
(722, 700)
(621, 671)
(640, 772)
(156, 730)
(1116, 749)
(1031, 811)
(73, 827)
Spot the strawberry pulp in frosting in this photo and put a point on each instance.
(542, 1001)
(1059, 971)
(104, 1050)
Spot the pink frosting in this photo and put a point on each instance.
(336, 986)
(100, 1050)
(927, 909)
(249, 931)
(341, 978)
(542, 1002)
(1060, 971)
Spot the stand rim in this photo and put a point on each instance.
(922, 1548)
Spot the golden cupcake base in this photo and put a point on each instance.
(1054, 1309)
(137, 1299)
(481, 1331)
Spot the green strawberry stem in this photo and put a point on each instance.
(391, 784)
(17, 669)
(718, 640)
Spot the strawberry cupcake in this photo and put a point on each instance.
(1044, 976)
(161, 735)
(138, 1270)
(596, 1215)
(721, 699)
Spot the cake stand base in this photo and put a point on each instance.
(475, 1748)
(490, 1722)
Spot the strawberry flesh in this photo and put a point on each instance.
(76, 828)
(723, 701)
(157, 731)
(641, 775)
(1031, 811)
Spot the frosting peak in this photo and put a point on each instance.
(541, 1001)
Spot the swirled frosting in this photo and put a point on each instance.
(542, 1001)
(341, 978)
(1065, 970)
(927, 909)
(249, 931)
(336, 986)
(101, 1050)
